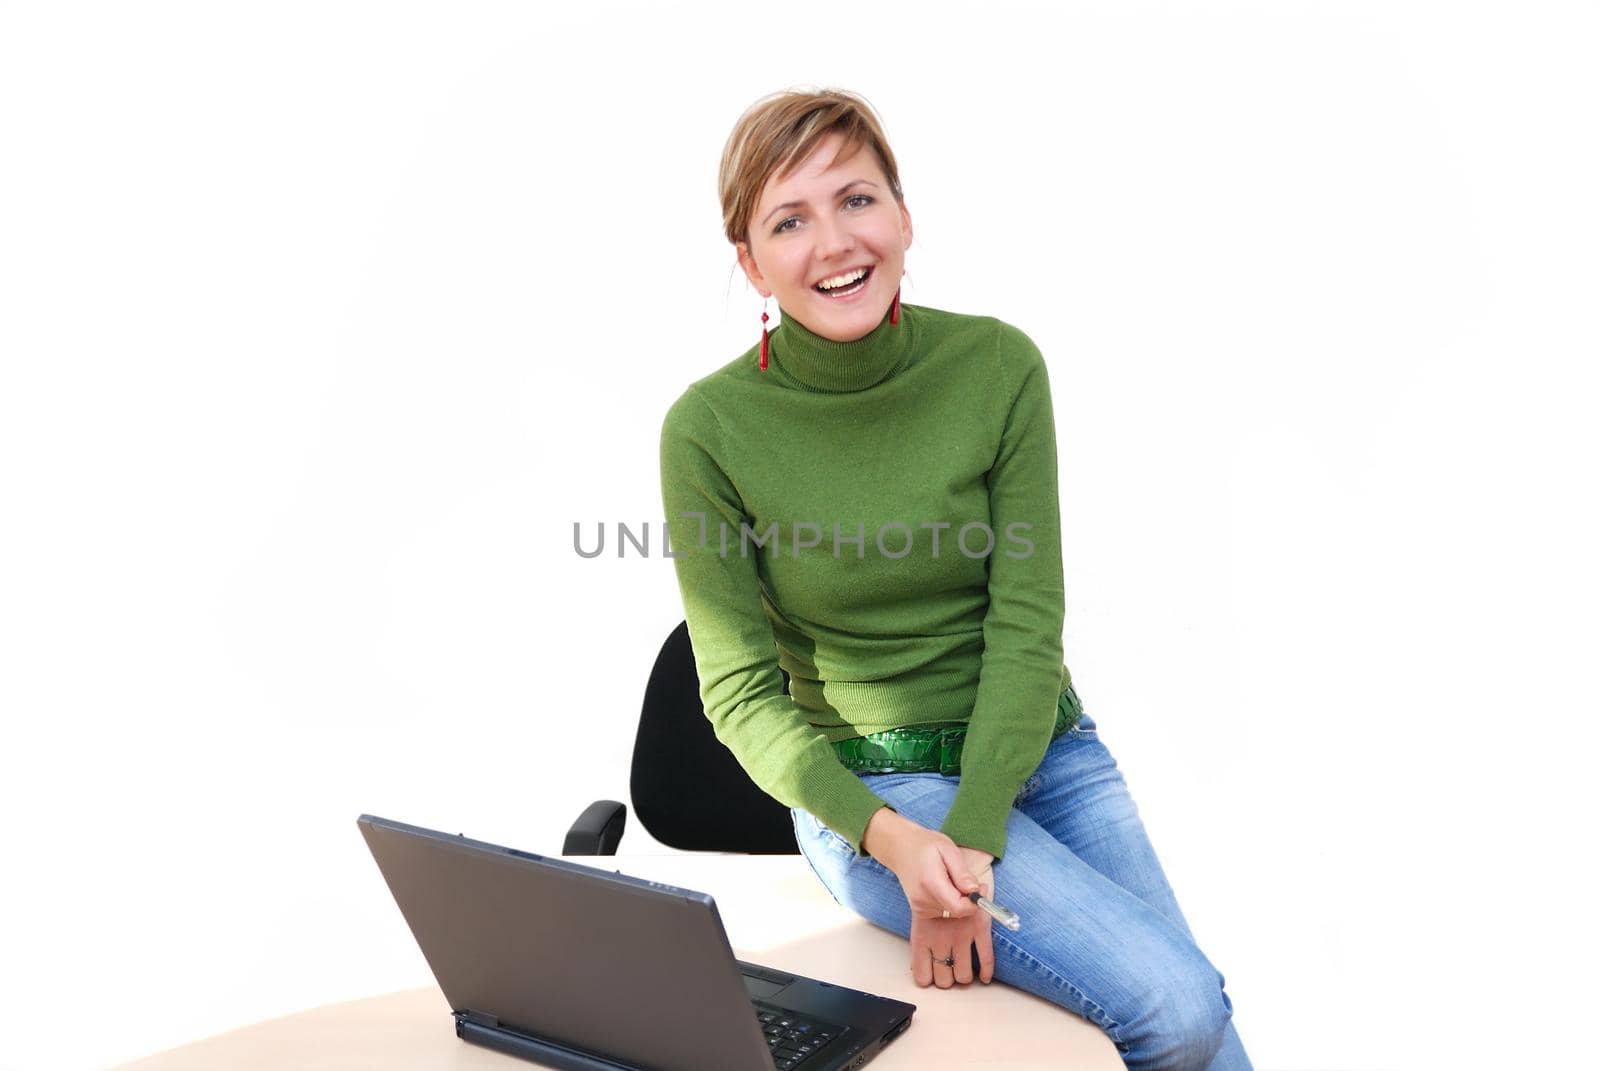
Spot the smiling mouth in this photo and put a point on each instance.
(845, 291)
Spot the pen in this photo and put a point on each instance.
(1003, 915)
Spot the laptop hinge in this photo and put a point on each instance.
(478, 1018)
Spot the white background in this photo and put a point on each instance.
(323, 323)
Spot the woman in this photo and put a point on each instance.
(868, 499)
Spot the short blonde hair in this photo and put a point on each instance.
(778, 132)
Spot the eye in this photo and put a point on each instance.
(783, 224)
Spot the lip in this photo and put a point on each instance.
(867, 285)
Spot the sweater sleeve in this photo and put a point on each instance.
(735, 653)
(1019, 682)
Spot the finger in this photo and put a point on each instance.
(961, 875)
(983, 949)
(943, 896)
(943, 974)
(950, 896)
(963, 958)
(922, 966)
(921, 955)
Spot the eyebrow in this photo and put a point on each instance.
(797, 204)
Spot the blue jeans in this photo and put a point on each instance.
(1101, 933)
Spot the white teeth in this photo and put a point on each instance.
(842, 280)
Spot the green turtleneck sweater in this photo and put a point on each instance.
(833, 515)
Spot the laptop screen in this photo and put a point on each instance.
(636, 971)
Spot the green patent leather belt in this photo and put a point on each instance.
(930, 748)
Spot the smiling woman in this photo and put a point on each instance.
(813, 206)
(876, 416)
(830, 250)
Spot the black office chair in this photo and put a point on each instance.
(688, 789)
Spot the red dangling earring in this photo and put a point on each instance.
(894, 307)
(763, 334)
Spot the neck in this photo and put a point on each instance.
(822, 364)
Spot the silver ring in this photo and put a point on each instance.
(949, 961)
(947, 913)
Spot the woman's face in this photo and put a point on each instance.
(826, 220)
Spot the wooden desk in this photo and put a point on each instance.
(776, 913)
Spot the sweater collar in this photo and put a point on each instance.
(821, 364)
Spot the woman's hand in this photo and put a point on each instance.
(932, 940)
(936, 874)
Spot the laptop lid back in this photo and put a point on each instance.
(633, 970)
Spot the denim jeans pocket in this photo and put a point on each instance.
(1029, 787)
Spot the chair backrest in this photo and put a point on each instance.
(688, 789)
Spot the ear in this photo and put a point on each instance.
(751, 272)
(905, 224)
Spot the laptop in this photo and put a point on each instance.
(593, 970)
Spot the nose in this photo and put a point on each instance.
(833, 239)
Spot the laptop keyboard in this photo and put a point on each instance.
(792, 1038)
